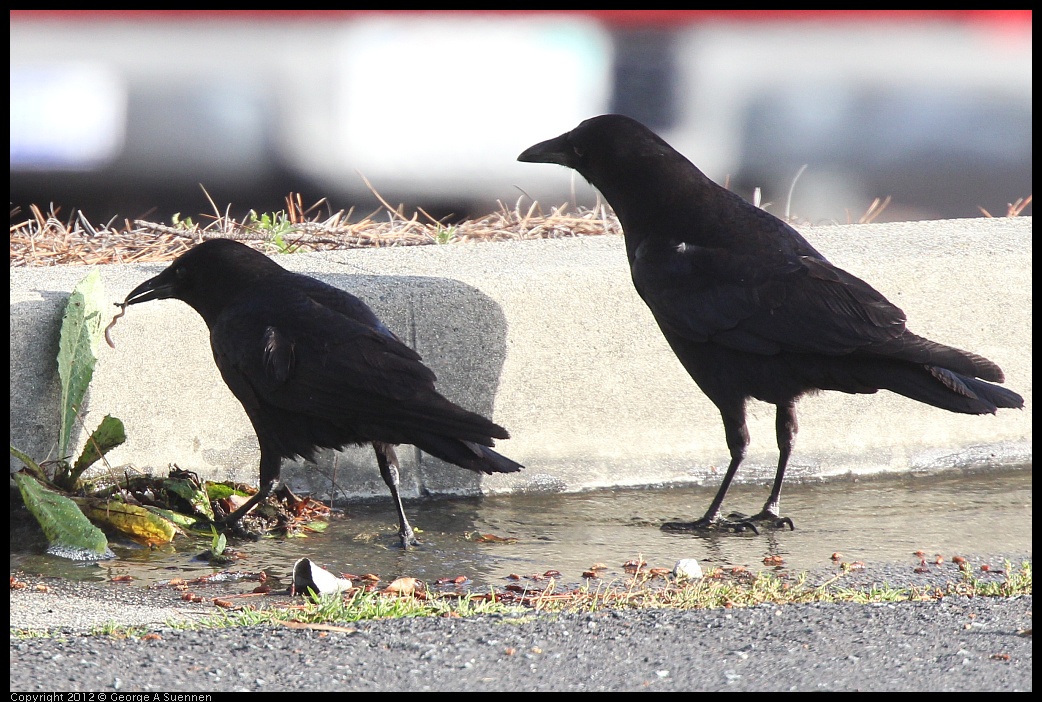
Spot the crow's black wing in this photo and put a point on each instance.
(795, 304)
(759, 304)
(282, 349)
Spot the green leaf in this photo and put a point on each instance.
(106, 437)
(221, 491)
(183, 521)
(81, 334)
(69, 533)
(139, 523)
(192, 494)
(220, 542)
(33, 466)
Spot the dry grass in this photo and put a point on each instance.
(1013, 209)
(46, 239)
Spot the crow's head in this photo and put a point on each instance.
(207, 277)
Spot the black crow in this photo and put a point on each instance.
(749, 307)
(314, 368)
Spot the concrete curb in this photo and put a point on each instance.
(550, 339)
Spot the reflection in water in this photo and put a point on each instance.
(876, 521)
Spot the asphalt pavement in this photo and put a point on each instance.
(953, 643)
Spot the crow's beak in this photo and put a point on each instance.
(556, 150)
(157, 288)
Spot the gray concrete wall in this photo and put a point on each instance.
(550, 340)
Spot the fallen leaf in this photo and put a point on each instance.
(493, 539)
(403, 586)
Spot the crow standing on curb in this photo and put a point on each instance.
(749, 307)
(314, 368)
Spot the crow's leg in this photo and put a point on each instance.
(270, 470)
(388, 461)
(785, 426)
(737, 435)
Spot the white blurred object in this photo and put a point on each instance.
(687, 569)
(66, 116)
(450, 102)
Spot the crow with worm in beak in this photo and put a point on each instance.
(314, 368)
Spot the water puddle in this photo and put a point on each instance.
(881, 520)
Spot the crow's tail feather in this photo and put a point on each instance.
(465, 454)
(949, 390)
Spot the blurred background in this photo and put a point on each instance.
(126, 113)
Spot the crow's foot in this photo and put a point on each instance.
(238, 528)
(408, 539)
(766, 517)
(730, 524)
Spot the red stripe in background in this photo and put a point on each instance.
(612, 17)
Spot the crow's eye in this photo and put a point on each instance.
(181, 273)
(578, 151)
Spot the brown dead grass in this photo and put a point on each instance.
(47, 239)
